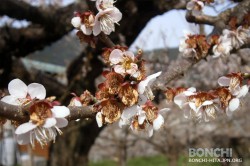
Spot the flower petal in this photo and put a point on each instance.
(147, 82)
(224, 81)
(76, 22)
(243, 91)
(208, 102)
(86, 31)
(158, 122)
(60, 111)
(18, 88)
(150, 131)
(129, 112)
(119, 69)
(180, 100)
(116, 15)
(36, 91)
(10, 100)
(234, 104)
(142, 99)
(49, 122)
(61, 122)
(96, 28)
(116, 56)
(99, 119)
(23, 139)
(25, 127)
(141, 117)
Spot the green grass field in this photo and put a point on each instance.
(154, 161)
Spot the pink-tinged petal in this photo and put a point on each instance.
(119, 69)
(130, 55)
(180, 100)
(49, 122)
(208, 102)
(18, 88)
(150, 131)
(10, 100)
(61, 122)
(97, 28)
(147, 82)
(76, 22)
(60, 111)
(86, 31)
(99, 119)
(158, 122)
(116, 56)
(224, 81)
(116, 15)
(243, 91)
(129, 112)
(36, 91)
(141, 117)
(234, 104)
(23, 139)
(24, 128)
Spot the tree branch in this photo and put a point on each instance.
(20, 114)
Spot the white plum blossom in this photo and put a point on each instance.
(85, 24)
(237, 37)
(129, 114)
(234, 103)
(195, 6)
(205, 110)
(105, 20)
(182, 101)
(144, 85)
(238, 91)
(123, 62)
(223, 47)
(45, 121)
(21, 94)
(234, 85)
(187, 51)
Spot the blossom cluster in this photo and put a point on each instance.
(207, 105)
(233, 38)
(125, 95)
(194, 46)
(198, 46)
(104, 21)
(46, 117)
